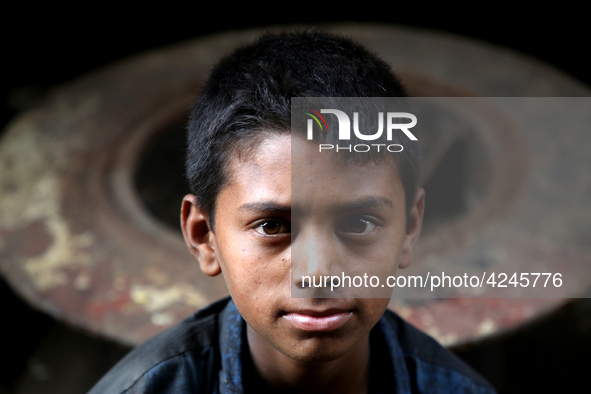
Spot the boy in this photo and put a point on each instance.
(242, 165)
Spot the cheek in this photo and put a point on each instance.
(381, 257)
(258, 286)
(253, 273)
(393, 243)
(375, 308)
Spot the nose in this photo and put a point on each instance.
(315, 258)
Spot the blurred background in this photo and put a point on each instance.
(45, 47)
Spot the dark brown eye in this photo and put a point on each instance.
(357, 226)
(272, 227)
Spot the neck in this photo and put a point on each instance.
(347, 374)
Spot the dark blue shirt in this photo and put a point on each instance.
(208, 353)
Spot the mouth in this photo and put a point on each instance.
(318, 320)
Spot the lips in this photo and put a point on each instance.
(311, 320)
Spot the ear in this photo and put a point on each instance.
(198, 237)
(413, 228)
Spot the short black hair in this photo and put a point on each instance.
(248, 94)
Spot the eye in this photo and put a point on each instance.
(357, 225)
(272, 227)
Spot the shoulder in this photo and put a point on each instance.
(430, 366)
(178, 356)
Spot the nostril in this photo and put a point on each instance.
(335, 282)
(301, 281)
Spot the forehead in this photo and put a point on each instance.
(291, 171)
(267, 165)
(327, 179)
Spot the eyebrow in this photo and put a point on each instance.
(372, 202)
(365, 203)
(265, 206)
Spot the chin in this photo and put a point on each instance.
(313, 352)
(315, 358)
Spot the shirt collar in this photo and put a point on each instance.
(232, 326)
(401, 377)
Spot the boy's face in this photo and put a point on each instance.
(252, 243)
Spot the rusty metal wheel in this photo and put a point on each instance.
(91, 183)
